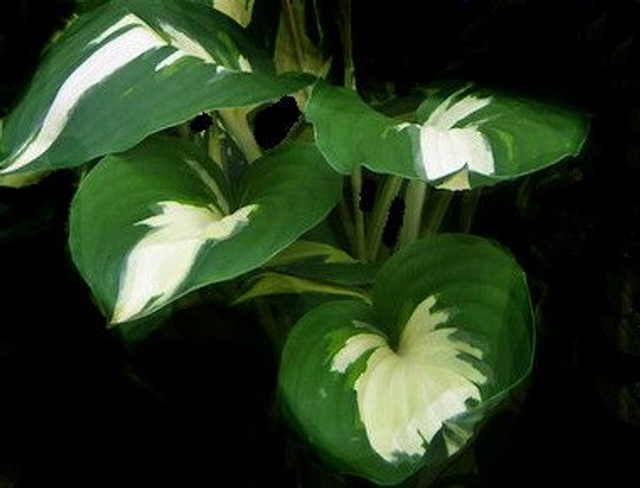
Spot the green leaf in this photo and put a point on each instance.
(322, 262)
(150, 225)
(86, 5)
(350, 274)
(309, 250)
(296, 51)
(22, 179)
(238, 10)
(464, 137)
(271, 283)
(131, 68)
(385, 390)
(351, 134)
(310, 267)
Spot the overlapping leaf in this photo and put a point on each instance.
(128, 69)
(383, 390)
(151, 224)
(462, 138)
(310, 267)
(238, 10)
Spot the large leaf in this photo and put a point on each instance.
(463, 137)
(384, 390)
(152, 224)
(128, 69)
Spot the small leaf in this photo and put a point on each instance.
(238, 10)
(322, 262)
(128, 69)
(22, 179)
(150, 225)
(271, 283)
(311, 267)
(385, 390)
(306, 250)
(298, 53)
(350, 274)
(464, 138)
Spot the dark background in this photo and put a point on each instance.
(192, 407)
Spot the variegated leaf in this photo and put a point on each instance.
(238, 10)
(463, 137)
(128, 69)
(152, 224)
(303, 250)
(298, 52)
(272, 283)
(310, 267)
(385, 390)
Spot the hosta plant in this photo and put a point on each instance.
(409, 344)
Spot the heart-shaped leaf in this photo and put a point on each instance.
(464, 137)
(131, 68)
(151, 224)
(383, 390)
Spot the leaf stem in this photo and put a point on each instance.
(290, 22)
(360, 251)
(347, 225)
(184, 132)
(347, 44)
(389, 191)
(214, 141)
(469, 205)
(269, 323)
(415, 197)
(437, 209)
(294, 36)
(235, 121)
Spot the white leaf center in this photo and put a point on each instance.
(405, 397)
(118, 46)
(446, 150)
(186, 47)
(160, 262)
(108, 59)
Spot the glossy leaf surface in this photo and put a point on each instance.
(128, 69)
(463, 137)
(384, 390)
(151, 224)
